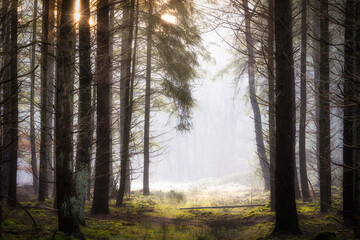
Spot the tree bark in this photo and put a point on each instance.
(324, 114)
(44, 154)
(264, 163)
(65, 186)
(296, 182)
(271, 85)
(32, 103)
(286, 215)
(102, 171)
(146, 188)
(113, 190)
(127, 35)
(84, 147)
(303, 102)
(316, 69)
(50, 90)
(13, 106)
(5, 97)
(357, 112)
(3, 26)
(348, 117)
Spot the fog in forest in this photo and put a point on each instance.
(221, 141)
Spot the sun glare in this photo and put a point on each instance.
(169, 18)
(91, 22)
(77, 10)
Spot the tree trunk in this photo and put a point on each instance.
(357, 112)
(32, 103)
(356, 201)
(286, 215)
(83, 155)
(348, 117)
(146, 189)
(303, 96)
(324, 114)
(13, 106)
(44, 154)
(91, 179)
(113, 190)
(271, 85)
(3, 26)
(316, 68)
(50, 105)
(5, 97)
(296, 182)
(102, 170)
(1, 171)
(264, 163)
(65, 187)
(127, 35)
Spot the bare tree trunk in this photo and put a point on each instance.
(32, 103)
(91, 179)
(65, 187)
(3, 12)
(296, 182)
(84, 146)
(271, 84)
(13, 101)
(324, 115)
(348, 118)
(102, 171)
(5, 97)
(264, 163)
(131, 97)
(127, 35)
(356, 202)
(286, 215)
(51, 89)
(1, 171)
(316, 69)
(44, 155)
(303, 103)
(146, 189)
(112, 190)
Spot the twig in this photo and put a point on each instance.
(234, 206)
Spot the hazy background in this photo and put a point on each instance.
(222, 139)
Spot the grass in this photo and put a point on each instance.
(158, 217)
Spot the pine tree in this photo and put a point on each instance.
(102, 165)
(84, 147)
(65, 187)
(286, 215)
(32, 102)
(125, 74)
(44, 155)
(302, 127)
(349, 114)
(324, 114)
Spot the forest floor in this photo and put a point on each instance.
(158, 216)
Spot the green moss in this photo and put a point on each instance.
(9, 224)
(158, 217)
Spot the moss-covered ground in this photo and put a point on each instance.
(158, 216)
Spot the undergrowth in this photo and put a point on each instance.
(159, 217)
